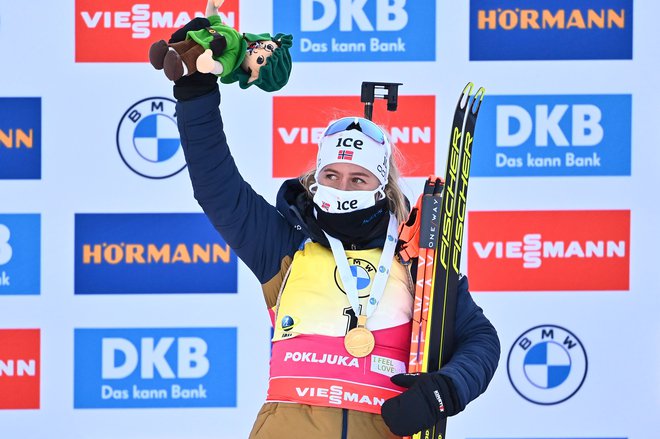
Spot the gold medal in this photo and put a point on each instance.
(359, 342)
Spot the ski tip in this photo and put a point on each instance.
(465, 96)
(478, 98)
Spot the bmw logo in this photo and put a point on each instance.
(362, 271)
(547, 365)
(148, 139)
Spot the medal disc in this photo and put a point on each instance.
(359, 342)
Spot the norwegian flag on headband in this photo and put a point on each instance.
(325, 205)
(345, 155)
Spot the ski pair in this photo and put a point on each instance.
(438, 222)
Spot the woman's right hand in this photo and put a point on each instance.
(198, 84)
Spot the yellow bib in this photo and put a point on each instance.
(313, 301)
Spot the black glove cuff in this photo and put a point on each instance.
(194, 86)
(449, 395)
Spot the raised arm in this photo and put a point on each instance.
(212, 7)
(253, 228)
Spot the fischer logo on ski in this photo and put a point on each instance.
(437, 221)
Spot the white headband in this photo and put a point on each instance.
(354, 146)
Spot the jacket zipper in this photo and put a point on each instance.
(344, 423)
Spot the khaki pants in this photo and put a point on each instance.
(299, 421)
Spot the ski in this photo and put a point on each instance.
(424, 222)
(433, 235)
(438, 219)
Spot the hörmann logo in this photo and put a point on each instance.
(558, 135)
(134, 26)
(164, 367)
(20, 359)
(548, 29)
(358, 30)
(20, 138)
(549, 250)
(20, 254)
(151, 253)
(296, 130)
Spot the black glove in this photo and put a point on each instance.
(429, 398)
(198, 84)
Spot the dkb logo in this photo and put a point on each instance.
(20, 254)
(131, 368)
(558, 135)
(358, 30)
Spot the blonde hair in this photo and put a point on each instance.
(397, 202)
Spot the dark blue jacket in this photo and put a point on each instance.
(266, 237)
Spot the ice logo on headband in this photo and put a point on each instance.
(358, 141)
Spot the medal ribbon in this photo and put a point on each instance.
(382, 272)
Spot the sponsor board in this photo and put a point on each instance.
(151, 253)
(559, 250)
(20, 254)
(155, 367)
(296, 130)
(547, 365)
(558, 135)
(20, 138)
(550, 29)
(148, 139)
(20, 370)
(134, 26)
(350, 30)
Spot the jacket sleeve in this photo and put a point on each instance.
(476, 349)
(251, 226)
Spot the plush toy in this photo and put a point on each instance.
(210, 46)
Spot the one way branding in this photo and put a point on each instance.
(296, 130)
(134, 26)
(549, 250)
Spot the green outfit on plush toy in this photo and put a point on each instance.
(213, 47)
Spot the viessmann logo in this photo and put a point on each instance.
(20, 360)
(549, 250)
(296, 130)
(151, 253)
(133, 26)
(358, 30)
(549, 29)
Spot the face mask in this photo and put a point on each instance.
(337, 201)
